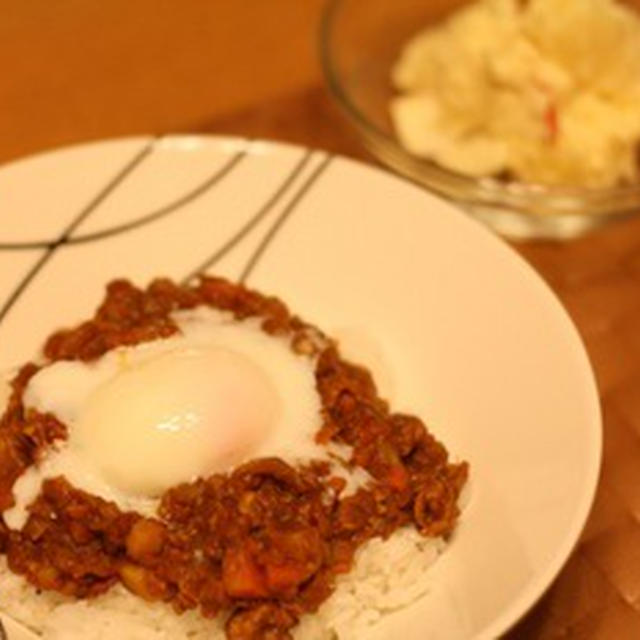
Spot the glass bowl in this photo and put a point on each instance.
(360, 41)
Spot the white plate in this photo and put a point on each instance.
(456, 326)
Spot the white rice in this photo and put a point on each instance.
(387, 576)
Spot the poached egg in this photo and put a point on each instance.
(144, 418)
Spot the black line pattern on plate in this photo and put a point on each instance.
(93, 204)
(152, 216)
(284, 216)
(277, 195)
(65, 237)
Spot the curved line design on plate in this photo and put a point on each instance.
(277, 195)
(65, 238)
(168, 209)
(284, 216)
(147, 218)
(50, 249)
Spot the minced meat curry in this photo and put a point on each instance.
(262, 544)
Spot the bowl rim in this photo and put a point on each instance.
(487, 190)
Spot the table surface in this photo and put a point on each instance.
(74, 71)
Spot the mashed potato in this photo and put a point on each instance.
(546, 91)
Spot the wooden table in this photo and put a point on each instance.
(74, 70)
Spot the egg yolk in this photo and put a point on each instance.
(181, 415)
